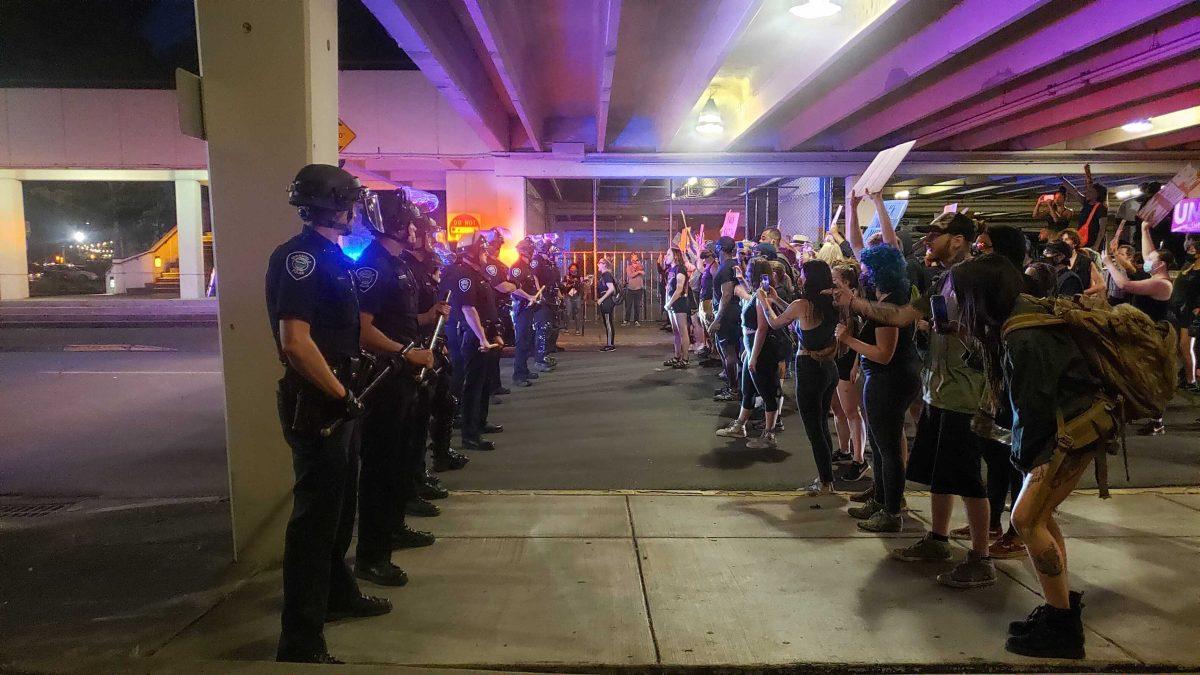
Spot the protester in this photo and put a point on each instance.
(1067, 282)
(675, 304)
(850, 425)
(573, 286)
(815, 319)
(1084, 262)
(635, 289)
(1185, 302)
(1093, 213)
(606, 291)
(725, 326)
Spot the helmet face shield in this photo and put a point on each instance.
(368, 208)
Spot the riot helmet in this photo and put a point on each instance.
(321, 191)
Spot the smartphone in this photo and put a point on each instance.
(766, 281)
(937, 307)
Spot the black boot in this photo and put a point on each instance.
(1054, 634)
(421, 508)
(307, 657)
(1022, 627)
(449, 460)
(363, 605)
(406, 537)
(431, 490)
(381, 572)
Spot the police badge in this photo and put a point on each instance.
(464, 284)
(366, 278)
(300, 264)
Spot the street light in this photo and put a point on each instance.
(79, 237)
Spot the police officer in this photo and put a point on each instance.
(314, 316)
(497, 274)
(543, 313)
(525, 298)
(473, 304)
(392, 466)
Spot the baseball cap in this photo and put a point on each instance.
(726, 244)
(799, 239)
(1058, 248)
(952, 224)
(766, 250)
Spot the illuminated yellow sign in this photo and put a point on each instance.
(462, 224)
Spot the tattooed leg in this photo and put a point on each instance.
(1045, 488)
(1048, 562)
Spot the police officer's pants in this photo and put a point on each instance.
(523, 335)
(385, 429)
(456, 373)
(475, 399)
(443, 407)
(543, 319)
(315, 575)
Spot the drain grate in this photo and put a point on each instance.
(31, 510)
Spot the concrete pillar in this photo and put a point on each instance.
(190, 223)
(498, 201)
(269, 69)
(14, 256)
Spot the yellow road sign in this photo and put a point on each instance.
(346, 135)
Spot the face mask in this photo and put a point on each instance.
(1148, 266)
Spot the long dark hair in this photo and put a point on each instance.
(987, 288)
(818, 277)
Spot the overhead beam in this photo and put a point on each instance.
(1180, 137)
(610, 26)
(1082, 26)
(1139, 53)
(431, 35)
(163, 175)
(727, 20)
(1158, 91)
(506, 59)
(775, 164)
(964, 25)
(1163, 124)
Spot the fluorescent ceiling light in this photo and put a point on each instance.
(1138, 126)
(903, 194)
(815, 9)
(692, 181)
(709, 122)
(1126, 194)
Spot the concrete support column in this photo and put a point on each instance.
(14, 256)
(270, 106)
(190, 223)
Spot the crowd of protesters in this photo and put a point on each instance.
(872, 338)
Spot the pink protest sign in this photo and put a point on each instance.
(1185, 184)
(950, 208)
(729, 229)
(1186, 217)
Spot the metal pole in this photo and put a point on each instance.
(595, 233)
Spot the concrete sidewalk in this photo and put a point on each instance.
(645, 582)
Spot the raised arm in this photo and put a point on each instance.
(852, 229)
(1148, 246)
(886, 228)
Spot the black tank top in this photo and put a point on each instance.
(1157, 310)
(816, 339)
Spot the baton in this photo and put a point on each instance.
(433, 341)
(333, 426)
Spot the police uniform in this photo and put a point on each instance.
(436, 400)
(469, 288)
(309, 279)
(521, 275)
(543, 313)
(497, 273)
(388, 290)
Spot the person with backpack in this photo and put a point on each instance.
(607, 297)
(1058, 255)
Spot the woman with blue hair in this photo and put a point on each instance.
(892, 372)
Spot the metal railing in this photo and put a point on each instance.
(652, 299)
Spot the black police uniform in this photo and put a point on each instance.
(388, 290)
(543, 313)
(469, 288)
(521, 275)
(436, 401)
(497, 273)
(309, 279)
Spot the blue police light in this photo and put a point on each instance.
(357, 241)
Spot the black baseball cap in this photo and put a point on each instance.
(1058, 248)
(952, 224)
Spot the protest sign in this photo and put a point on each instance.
(881, 169)
(1186, 183)
(895, 209)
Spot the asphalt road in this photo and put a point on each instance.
(147, 424)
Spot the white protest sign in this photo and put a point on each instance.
(895, 209)
(881, 169)
(1185, 184)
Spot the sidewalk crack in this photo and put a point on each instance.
(637, 554)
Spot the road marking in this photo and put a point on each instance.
(116, 348)
(130, 372)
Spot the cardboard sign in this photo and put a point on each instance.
(1185, 217)
(836, 214)
(895, 209)
(1185, 184)
(881, 169)
(950, 208)
(729, 229)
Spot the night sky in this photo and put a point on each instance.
(139, 43)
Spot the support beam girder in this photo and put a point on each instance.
(497, 24)
(610, 26)
(1083, 26)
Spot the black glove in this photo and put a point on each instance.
(352, 407)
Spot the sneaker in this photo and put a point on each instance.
(608, 348)
(854, 471)
(964, 533)
(864, 496)
(1007, 547)
(681, 365)
(1053, 634)
(637, 323)
(624, 323)
(778, 426)
(579, 332)
(819, 489)
(726, 396)
(1023, 627)
(841, 457)
(1153, 428)
(670, 362)
(766, 441)
(882, 521)
(735, 430)
(868, 509)
(974, 572)
(925, 549)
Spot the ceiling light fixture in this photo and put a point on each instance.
(692, 181)
(709, 122)
(645, 219)
(1126, 194)
(1138, 126)
(815, 9)
(903, 194)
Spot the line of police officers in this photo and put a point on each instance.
(366, 381)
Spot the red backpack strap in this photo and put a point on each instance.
(1083, 231)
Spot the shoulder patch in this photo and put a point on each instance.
(516, 271)
(533, 263)
(300, 264)
(464, 284)
(491, 270)
(366, 278)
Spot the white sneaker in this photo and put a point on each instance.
(734, 430)
(767, 440)
(817, 489)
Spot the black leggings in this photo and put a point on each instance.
(816, 383)
(610, 330)
(886, 397)
(761, 380)
(1003, 479)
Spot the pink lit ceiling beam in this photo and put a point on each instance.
(1180, 138)
(1083, 26)
(1143, 50)
(432, 36)
(610, 25)
(1158, 91)
(964, 25)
